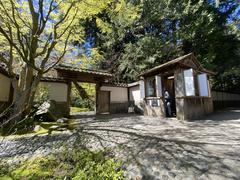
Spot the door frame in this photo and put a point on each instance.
(173, 94)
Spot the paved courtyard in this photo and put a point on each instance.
(153, 148)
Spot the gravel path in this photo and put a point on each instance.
(151, 148)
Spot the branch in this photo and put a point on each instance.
(2, 31)
(63, 54)
(10, 68)
(54, 42)
(65, 16)
(69, 25)
(19, 33)
(34, 15)
(44, 47)
(6, 12)
(43, 21)
(11, 43)
(49, 50)
(40, 11)
(23, 21)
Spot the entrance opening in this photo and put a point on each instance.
(83, 98)
(169, 95)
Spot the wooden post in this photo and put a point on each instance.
(11, 94)
(179, 93)
(142, 88)
(97, 89)
(69, 97)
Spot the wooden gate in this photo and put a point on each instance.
(103, 102)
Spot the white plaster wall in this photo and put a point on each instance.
(57, 91)
(118, 94)
(135, 94)
(5, 84)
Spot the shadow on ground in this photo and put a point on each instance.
(152, 148)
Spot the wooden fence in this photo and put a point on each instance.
(223, 99)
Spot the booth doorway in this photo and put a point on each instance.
(169, 103)
(104, 102)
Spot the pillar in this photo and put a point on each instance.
(142, 88)
(69, 97)
(97, 89)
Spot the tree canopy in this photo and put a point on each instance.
(35, 36)
(141, 34)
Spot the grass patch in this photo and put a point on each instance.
(69, 164)
(77, 109)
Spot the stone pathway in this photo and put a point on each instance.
(152, 148)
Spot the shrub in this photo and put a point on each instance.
(22, 127)
(83, 103)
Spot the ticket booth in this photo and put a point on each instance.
(178, 88)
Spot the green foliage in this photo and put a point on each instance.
(74, 164)
(87, 103)
(162, 30)
(36, 35)
(24, 126)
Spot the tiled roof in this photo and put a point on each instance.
(133, 84)
(122, 84)
(87, 71)
(53, 79)
(175, 61)
(115, 84)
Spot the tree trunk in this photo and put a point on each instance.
(25, 92)
(81, 90)
(34, 87)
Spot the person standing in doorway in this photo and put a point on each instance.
(167, 99)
